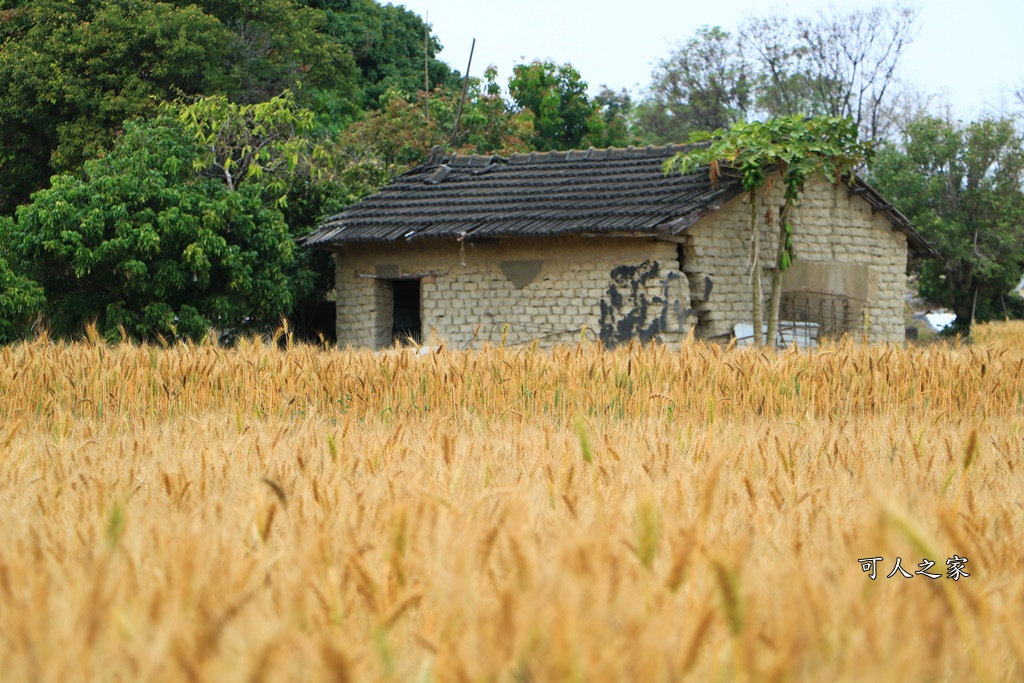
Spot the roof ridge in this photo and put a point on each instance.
(599, 154)
(438, 158)
(455, 160)
(474, 160)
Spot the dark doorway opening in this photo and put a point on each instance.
(315, 321)
(407, 325)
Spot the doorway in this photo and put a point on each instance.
(407, 325)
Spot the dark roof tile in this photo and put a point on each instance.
(545, 194)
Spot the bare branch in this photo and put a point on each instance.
(835, 63)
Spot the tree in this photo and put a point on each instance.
(564, 116)
(20, 300)
(180, 228)
(387, 43)
(831, 64)
(781, 73)
(73, 71)
(399, 135)
(704, 85)
(490, 124)
(834, 63)
(279, 146)
(617, 111)
(267, 142)
(799, 150)
(960, 185)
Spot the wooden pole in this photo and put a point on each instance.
(426, 64)
(465, 86)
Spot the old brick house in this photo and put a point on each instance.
(600, 244)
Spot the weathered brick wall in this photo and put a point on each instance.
(552, 290)
(830, 227)
(561, 289)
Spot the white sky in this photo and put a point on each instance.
(968, 53)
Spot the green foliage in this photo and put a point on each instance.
(960, 185)
(703, 85)
(618, 112)
(490, 125)
(278, 146)
(267, 142)
(73, 71)
(394, 138)
(563, 115)
(833, 63)
(20, 298)
(387, 43)
(799, 149)
(400, 135)
(144, 243)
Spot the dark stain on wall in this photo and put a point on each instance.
(522, 272)
(629, 312)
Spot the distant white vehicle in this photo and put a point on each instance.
(804, 335)
(940, 321)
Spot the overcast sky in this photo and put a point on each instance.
(969, 53)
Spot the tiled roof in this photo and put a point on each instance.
(592, 191)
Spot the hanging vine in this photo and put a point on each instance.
(793, 148)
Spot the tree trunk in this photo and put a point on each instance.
(758, 317)
(755, 268)
(962, 324)
(963, 302)
(775, 300)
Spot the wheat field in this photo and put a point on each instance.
(261, 513)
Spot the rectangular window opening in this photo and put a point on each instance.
(407, 324)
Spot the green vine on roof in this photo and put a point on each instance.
(796, 149)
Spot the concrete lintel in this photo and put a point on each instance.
(401, 276)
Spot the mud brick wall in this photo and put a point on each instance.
(553, 290)
(831, 227)
(560, 290)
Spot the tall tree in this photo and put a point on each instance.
(564, 116)
(960, 185)
(781, 75)
(618, 111)
(74, 70)
(838, 64)
(21, 298)
(179, 228)
(400, 135)
(490, 124)
(705, 84)
(387, 42)
(834, 63)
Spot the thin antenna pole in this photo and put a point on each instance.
(426, 64)
(465, 85)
